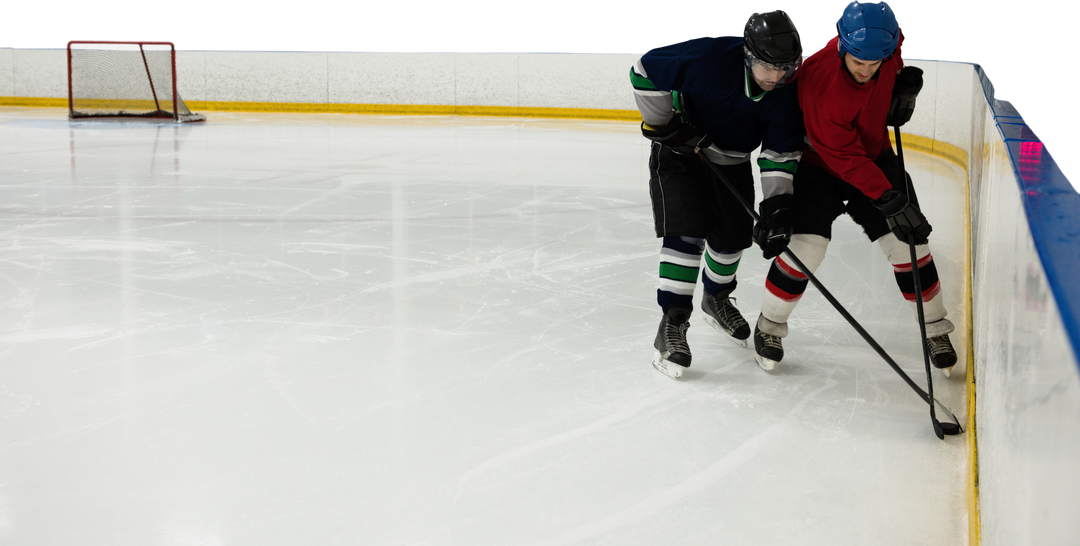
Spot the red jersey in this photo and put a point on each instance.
(845, 121)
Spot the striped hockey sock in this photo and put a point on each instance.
(680, 261)
(720, 267)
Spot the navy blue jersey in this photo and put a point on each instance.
(707, 81)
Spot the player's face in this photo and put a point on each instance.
(767, 76)
(862, 71)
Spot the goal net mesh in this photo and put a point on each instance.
(124, 80)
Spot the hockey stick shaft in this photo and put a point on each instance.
(828, 295)
(939, 430)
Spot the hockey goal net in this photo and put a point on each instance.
(124, 80)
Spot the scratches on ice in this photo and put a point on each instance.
(625, 412)
(694, 484)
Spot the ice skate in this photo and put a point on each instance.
(672, 354)
(768, 350)
(942, 354)
(720, 313)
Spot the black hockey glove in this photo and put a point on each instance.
(904, 217)
(908, 84)
(683, 138)
(773, 232)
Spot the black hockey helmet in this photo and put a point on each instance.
(771, 37)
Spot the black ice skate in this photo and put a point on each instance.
(672, 352)
(942, 354)
(768, 350)
(720, 313)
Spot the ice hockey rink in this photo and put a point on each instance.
(275, 329)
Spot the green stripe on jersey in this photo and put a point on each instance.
(640, 82)
(789, 166)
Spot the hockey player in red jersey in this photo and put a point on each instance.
(850, 92)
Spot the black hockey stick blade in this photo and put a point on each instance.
(947, 428)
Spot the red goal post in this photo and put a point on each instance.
(124, 80)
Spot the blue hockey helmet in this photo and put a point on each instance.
(868, 31)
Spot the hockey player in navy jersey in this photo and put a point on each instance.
(726, 97)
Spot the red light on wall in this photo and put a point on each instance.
(1031, 157)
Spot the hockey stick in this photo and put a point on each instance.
(847, 316)
(941, 429)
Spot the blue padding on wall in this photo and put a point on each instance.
(1003, 110)
(1012, 130)
(1052, 207)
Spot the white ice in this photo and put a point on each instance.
(320, 329)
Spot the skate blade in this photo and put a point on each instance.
(765, 363)
(667, 368)
(947, 372)
(716, 325)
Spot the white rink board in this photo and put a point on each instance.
(1027, 388)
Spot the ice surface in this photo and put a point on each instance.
(284, 329)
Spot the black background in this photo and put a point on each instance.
(1030, 52)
